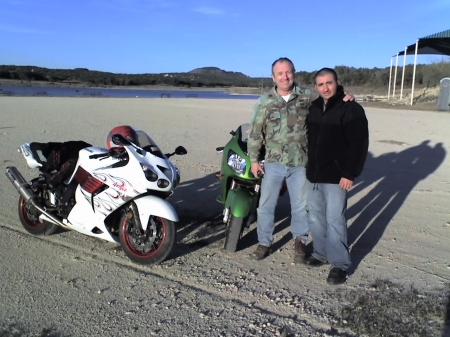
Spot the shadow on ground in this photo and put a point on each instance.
(201, 217)
(446, 332)
(389, 179)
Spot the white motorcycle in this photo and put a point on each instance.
(118, 195)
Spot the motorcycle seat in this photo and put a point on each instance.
(58, 159)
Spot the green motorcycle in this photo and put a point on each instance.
(239, 188)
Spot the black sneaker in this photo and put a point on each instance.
(299, 251)
(260, 253)
(337, 276)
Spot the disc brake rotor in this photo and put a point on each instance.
(31, 211)
(140, 240)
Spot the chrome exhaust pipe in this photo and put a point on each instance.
(24, 189)
(21, 185)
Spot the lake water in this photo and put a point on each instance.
(108, 92)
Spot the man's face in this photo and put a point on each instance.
(326, 86)
(283, 76)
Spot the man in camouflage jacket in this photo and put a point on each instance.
(278, 123)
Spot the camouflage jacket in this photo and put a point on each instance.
(281, 127)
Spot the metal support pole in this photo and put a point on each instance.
(390, 77)
(403, 75)
(395, 76)
(414, 72)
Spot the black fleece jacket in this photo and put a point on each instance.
(338, 140)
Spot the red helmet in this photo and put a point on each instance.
(124, 130)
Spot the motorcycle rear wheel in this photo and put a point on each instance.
(29, 217)
(235, 228)
(149, 247)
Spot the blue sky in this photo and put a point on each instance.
(158, 36)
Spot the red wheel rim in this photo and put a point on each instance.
(156, 245)
(29, 223)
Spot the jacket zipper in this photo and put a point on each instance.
(317, 144)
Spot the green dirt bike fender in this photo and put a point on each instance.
(239, 201)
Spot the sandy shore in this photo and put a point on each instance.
(71, 285)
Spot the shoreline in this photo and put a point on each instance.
(366, 100)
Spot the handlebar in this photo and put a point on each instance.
(115, 152)
(100, 155)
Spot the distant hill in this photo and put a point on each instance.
(213, 77)
(200, 77)
(214, 71)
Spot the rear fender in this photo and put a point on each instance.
(151, 205)
(239, 201)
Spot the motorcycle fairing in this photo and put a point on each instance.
(153, 206)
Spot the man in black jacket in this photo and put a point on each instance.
(338, 141)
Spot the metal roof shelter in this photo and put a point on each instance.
(438, 44)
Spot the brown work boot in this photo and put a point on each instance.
(260, 253)
(299, 251)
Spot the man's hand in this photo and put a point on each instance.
(349, 96)
(255, 168)
(345, 184)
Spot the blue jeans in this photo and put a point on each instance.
(327, 204)
(273, 179)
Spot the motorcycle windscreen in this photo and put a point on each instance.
(245, 132)
(148, 144)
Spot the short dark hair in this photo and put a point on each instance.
(325, 71)
(283, 59)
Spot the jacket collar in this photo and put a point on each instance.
(296, 90)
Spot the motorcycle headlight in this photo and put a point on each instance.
(236, 163)
(149, 174)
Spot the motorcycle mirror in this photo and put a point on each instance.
(220, 148)
(120, 140)
(180, 150)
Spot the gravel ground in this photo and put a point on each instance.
(68, 284)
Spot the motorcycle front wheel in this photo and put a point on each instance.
(235, 227)
(147, 247)
(29, 217)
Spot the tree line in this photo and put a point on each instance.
(426, 75)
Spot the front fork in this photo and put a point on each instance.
(242, 203)
(226, 210)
